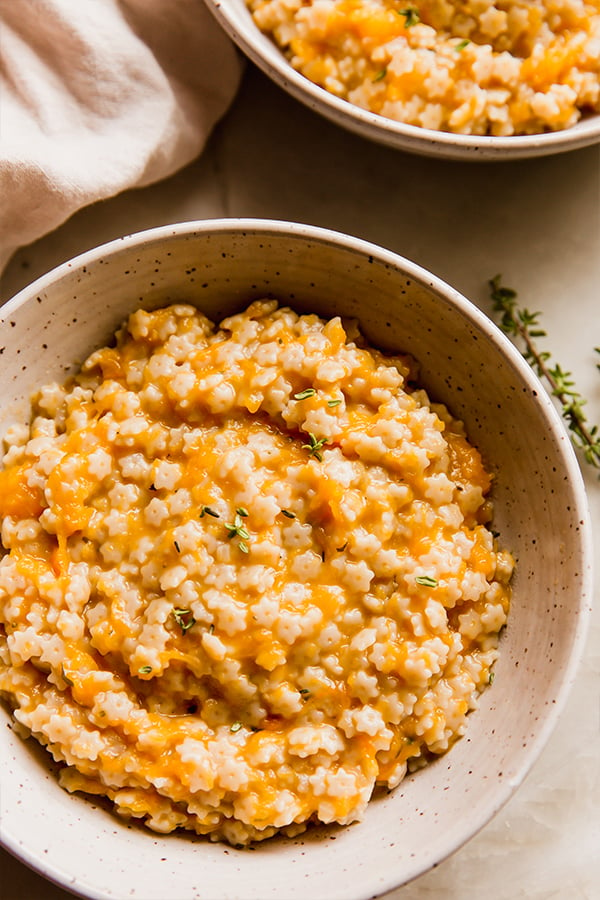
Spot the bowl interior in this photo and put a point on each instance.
(540, 513)
(237, 22)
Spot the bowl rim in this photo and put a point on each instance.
(263, 52)
(346, 242)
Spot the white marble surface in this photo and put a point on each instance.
(537, 223)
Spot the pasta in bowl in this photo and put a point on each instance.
(244, 540)
(248, 575)
(486, 81)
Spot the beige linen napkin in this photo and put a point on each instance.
(97, 96)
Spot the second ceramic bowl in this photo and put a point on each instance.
(238, 23)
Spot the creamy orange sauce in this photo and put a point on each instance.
(247, 574)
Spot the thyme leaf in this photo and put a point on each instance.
(314, 446)
(236, 528)
(427, 580)
(524, 328)
(411, 16)
(183, 618)
(207, 511)
(304, 395)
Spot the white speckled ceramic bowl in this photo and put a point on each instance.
(237, 22)
(541, 513)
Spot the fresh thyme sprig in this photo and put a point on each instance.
(524, 326)
(238, 529)
(314, 446)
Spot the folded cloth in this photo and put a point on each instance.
(101, 95)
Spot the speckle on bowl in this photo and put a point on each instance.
(540, 510)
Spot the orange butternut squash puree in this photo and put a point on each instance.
(247, 573)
